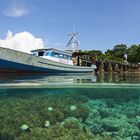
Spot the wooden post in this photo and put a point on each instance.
(78, 61)
(125, 68)
(121, 70)
(110, 78)
(93, 59)
(101, 68)
(116, 69)
(109, 68)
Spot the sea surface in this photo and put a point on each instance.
(69, 107)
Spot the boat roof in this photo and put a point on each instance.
(54, 50)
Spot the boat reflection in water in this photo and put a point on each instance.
(42, 80)
(21, 79)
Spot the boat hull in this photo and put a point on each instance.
(16, 61)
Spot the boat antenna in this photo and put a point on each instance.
(73, 41)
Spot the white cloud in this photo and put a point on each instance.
(23, 41)
(16, 12)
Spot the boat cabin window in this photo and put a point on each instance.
(47, 53)
(54, 54)
(69, 58)
(40, 53)
(63, 56)
(35, 53)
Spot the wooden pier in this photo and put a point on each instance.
(115, 67)
(105, 66)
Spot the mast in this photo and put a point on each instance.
(73, 42)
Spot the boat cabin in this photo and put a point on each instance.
(54, 55)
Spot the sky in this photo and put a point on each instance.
(101, 24)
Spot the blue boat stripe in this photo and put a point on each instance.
(5, 64)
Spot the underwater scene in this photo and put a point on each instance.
(69, 107)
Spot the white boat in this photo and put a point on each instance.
(42, 60)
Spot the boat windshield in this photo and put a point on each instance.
(47, 53)
(35, 53)
(59, 55)
(40, 53)
(52, 54)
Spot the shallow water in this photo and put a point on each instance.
(70, 107)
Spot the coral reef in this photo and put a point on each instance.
(43, 115)
(120, 120)
(96, 115)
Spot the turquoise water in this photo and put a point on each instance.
(69, 107)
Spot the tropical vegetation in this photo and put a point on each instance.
(119, 53)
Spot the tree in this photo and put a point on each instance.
(132, 53)
(98, 54)
(109, 52)
(120, 50)
(138, 54)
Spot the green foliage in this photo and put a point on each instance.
(138, 54)
(120, 50)
(132, 53)
(119, 53)
(109, 55)
(97, 52)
